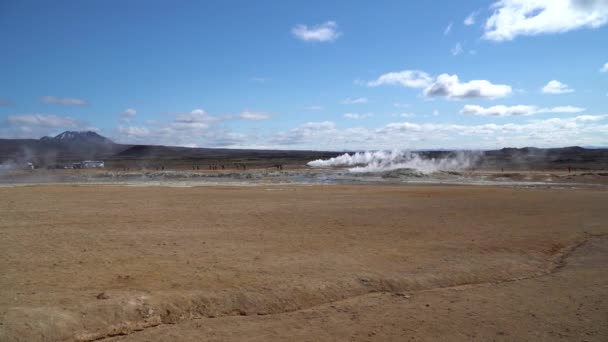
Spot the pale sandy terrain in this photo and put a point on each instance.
(303, 263)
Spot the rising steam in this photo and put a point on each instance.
(376, 161)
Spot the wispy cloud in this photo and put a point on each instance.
(42, 120)
(357, 100)
(357, 116)
(518, 110)
(604, 68)
(128, 115)
(457, 50)
(65, 101)
(470, 19)
(254, 116)
(258, 79)
(326, 32)
(448, 29)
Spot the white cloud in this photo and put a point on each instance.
(258, 79)
(66, 101)
(197, 128)
(457, 50)
(450, 87)
(579, 130)
(42, 120)
(400, 105)
(470, 19)
(196, 120)
(134, 132)
(325, 135)
(308, 133)
(357, 116)
(444, 85)
(556, 87)
(254, 116)
(512, 18)
(604, 68)
(407, 115)
(314, 108)
(406, 78)
(518, 110)
(326, 32)
(128, 115)
(448, 29)
(358, 100)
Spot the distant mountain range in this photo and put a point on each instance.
(67, 146)
(72, 146)
(86, 137)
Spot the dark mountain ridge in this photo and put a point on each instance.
(72, 146)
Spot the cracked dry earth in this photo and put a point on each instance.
(303, 263)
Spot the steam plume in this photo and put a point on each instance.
(375, 161)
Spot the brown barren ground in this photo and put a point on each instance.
(303, 263)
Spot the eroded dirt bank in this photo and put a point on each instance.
(91, 262)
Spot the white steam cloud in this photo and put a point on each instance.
(376, 161)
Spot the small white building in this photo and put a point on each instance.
(92, 164)
(89, 164)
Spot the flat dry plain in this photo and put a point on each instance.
(303, 263)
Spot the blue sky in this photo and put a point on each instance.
(313, 74)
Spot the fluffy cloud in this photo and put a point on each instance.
(65, 101)
(604, 68)
(196, 128)
(512, 18)
(357, 116)
(579, 130)
(519, 110)
(444, 85)
(197, 118)
(42, 120)
(406, 78)
(450, 87)
(326, 32)
(556, 87)
(357, 100)
(253, 116)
